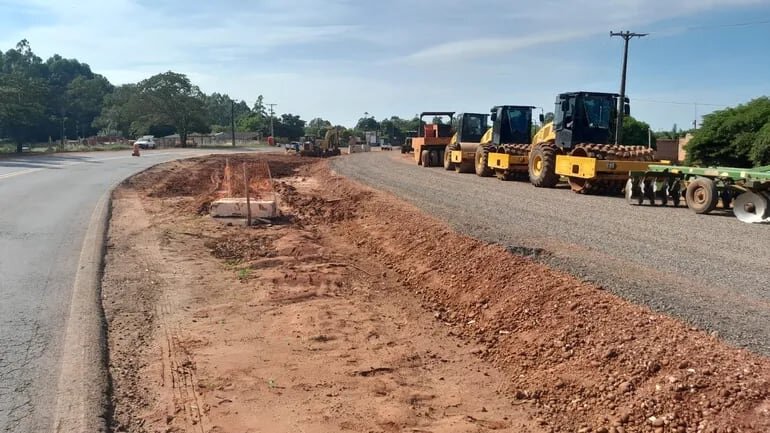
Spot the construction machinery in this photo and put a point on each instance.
(575, 145)
(407, 146)
(748, 190)
(432, 139)
(504, 149)
(459, 154)
(329, 146)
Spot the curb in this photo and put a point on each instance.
(82, 394)
(83, 390)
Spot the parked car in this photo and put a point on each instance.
(146, 142)
(386, 146)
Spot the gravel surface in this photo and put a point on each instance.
(711, 271)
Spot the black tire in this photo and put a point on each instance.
(542, 166)
(727, 197)
(424, 159)
(433, 158)
(481, 162)
(448, 164)
(702, 195)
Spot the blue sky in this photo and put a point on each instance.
(337, 59)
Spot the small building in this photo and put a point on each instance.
(673, 149)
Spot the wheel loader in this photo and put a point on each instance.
(575, 145)
(460, 152)
(432, 139)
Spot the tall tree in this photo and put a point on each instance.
(85, 98)
(289, 126)
(117, 113)
(317, 127)
(636, 132)
(22, 94)
(171, 99)
(736, 136)
(367, 124)
(21, 107)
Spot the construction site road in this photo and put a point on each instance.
(711, 271)
(47, 202)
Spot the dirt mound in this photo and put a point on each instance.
(207, 178)
(315, 209)
(583, 359)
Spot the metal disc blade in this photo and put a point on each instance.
(751, 207)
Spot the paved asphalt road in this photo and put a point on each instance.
(710, 270)
(47, 202)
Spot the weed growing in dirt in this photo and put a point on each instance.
(244, 274)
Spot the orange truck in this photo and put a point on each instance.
(432, 139)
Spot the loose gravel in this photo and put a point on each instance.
(710, 271)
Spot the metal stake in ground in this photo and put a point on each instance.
(621, 104)
(248, 196)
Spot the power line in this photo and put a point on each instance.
(680, 103)
(716, 26)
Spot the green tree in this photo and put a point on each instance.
(289, 126)
(760, 151)
(367, 124)
(23, 94)
(636, 132)
(85, 98)
(220, 108)
(171, 99)
(117, 111)
(21, 107)
(736, 136)
(317, 127)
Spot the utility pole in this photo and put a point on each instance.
(272, 130)
(627, 36)
(232, 119)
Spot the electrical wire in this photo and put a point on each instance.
(679, 103)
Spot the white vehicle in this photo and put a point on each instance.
(146, 142)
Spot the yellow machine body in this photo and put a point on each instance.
(591, 168)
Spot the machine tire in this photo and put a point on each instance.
(448, 164)
(702, 195)
(542, 166)
(433, 158)
(481, 162)
(424, 159)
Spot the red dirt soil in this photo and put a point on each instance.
(573, 357)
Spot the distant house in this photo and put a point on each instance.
(673, 149)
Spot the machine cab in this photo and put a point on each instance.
(511, 124)
(586, 117)
(470, 127)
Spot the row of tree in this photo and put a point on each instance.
(61, 99)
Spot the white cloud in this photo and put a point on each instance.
(338, 58)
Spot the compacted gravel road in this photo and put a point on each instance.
(712, 271)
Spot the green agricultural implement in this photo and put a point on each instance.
(746, 189)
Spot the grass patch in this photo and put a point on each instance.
(244, 274)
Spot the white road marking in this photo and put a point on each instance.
(70, 164)
(18, 173)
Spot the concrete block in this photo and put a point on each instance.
(236, 207)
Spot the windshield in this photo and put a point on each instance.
(519, 120)
(598, 111)
(474, 125)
